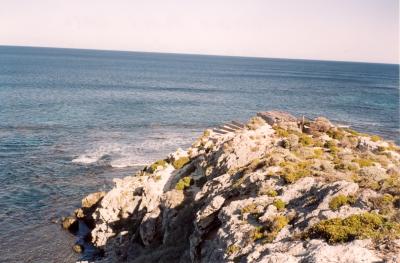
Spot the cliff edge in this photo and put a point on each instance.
(277, 189)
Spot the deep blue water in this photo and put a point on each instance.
(71, 120)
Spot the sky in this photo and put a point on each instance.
(348, 30)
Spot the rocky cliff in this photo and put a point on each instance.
(278, 189)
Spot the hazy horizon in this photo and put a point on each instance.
(199, 54)
(355, 30)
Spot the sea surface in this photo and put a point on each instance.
(71, 120)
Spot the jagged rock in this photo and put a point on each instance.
(356, 251)
(254, 195)
(92, 199)
(148, 228)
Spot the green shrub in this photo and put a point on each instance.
(375, 138)
(272, 193)
(318, 153)
(251, 209)
(281, 132)
(339, 201)
(159, 163)
(279, 204)
(383, 203)
(232, 249)
(269, 231)
(183, 183)
(274, 226)
(305, 140)
(331, 145)
(258, 233)
(178, 164)
(363, 162)
(360, 226)
(352, 132)
(278, 223)
(336, 134)
(291, 172)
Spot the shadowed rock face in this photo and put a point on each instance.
(257, 194)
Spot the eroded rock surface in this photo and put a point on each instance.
(277, 190)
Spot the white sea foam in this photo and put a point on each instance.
(132, 152)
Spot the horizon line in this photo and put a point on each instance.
(202, 54)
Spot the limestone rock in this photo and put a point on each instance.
(255, 193)
(92, 199)
(272, 117)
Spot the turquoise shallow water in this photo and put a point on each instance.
(71, 120)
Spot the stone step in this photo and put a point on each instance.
(219, 131)
(238, 124)
(225, 128)
(232, 126)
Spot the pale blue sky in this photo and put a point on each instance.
(351, 30)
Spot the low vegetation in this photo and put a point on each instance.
(179, 163)
(359, 226)
(183, 183)
(279, 204)
(157, 164)
(341, 200)
(268, 232)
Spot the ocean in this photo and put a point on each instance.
(71, 120)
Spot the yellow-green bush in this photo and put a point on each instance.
(232, 249)
(383, 203)
(281, 132)
(305, 140)
(291, 171)
(339, 201)
(269, 232)
(352, 132)
(272, 193)
(331, 145)
(274, 226)
(156, 164)
(363, 162)
(318, 153)
(279, 204)
(359, 226)
(251, 209)
(183, 183)
(178, 164)
(375, 138)
(336, 134)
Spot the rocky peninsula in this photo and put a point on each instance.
(277, 189)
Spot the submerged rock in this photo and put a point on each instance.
(256, 194)
(69, 223)
(77, 248)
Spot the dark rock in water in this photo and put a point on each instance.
(70, 223)
(77, 248)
